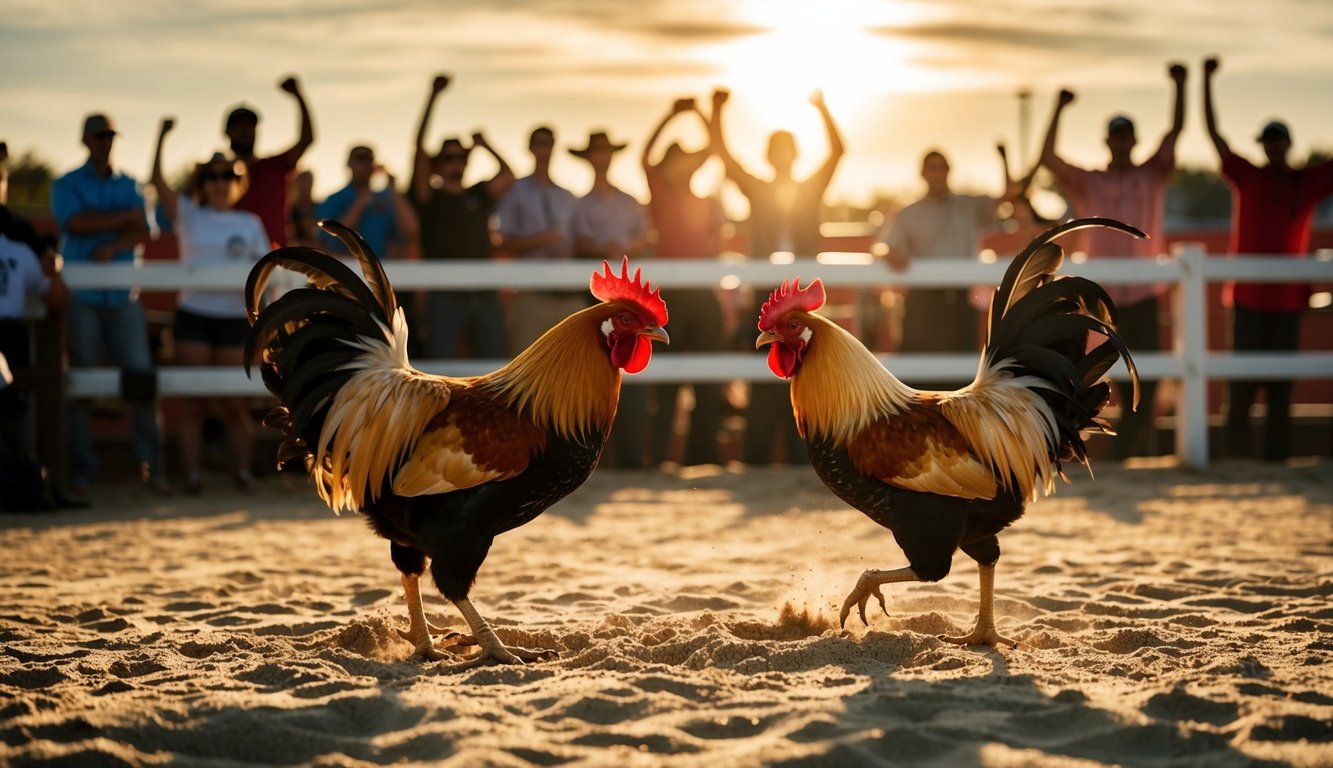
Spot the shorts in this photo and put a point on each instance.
(213, 331)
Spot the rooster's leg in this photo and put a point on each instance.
(492, 650)
(868, 586)
(984, 632)
(419, 629)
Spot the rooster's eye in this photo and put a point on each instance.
(624, 319)
(793, 325)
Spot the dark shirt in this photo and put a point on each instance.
(456, 226)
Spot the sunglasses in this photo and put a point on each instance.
(223, 176)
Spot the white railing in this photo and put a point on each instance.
(1190, 269)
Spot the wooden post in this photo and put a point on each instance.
(1191, 346)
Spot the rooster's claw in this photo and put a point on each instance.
(865, 588)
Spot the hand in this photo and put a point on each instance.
(683, 105)
(52, 263)
(720, 96)
(167, 124)
(1177, 71)
(439, 83)
(380, 170)
(291, 86)
(817, 98)
(1066, 97)
(479, 140)
(4, 152)
(897, 261)
(1210, 65)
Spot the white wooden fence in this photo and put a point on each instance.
(1190, 362)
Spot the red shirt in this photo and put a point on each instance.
(266, 195)
(1272, 215)
(688, 226)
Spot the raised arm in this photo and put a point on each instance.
(835, 147)
(420, 186)
(503, 178)
(307, 137)
(680, 105)
(1048, 156)
(718, 143)
(166, 196)
(1165, 155)
(1209, 69)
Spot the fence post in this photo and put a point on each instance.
(1191, 346)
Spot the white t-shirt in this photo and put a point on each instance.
(208, 237)
(21, 278)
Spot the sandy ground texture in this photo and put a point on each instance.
(1166, 618)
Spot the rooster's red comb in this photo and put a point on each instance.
(789, 296)
(607, 286)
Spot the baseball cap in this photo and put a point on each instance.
(97, 123)
(1274, 129)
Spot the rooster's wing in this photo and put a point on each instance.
(475, 440)
(918, 449)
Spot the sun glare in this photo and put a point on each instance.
(827, 46)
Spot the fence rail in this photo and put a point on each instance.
(1189, 269)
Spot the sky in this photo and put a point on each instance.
(900, 77)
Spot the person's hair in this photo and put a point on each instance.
(541, 129)
(934, 153)
(201, 169)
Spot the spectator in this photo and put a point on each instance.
(609, 224)
(24, 275)
(100, 212)
(784, 217)
(455, 224)
(301, 229)
(381, 215)
(211, 325)
(941, 225)
(536, 222)
(269, 177)
(687, 227)
(1135, 194)
(1272, 213)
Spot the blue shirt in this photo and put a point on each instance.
(378, 225)
(80, 190)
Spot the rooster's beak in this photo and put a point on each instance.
(656, 334)
(766, 338)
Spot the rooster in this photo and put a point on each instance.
(439, 465)
(949, 470)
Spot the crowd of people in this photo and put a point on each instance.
(238, 205)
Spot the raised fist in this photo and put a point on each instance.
(290, 85)
(440, 83)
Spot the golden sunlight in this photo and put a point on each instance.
(829, 46)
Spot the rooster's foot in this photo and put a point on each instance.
(868, 586)
(865, 589)
(980, 635)
(429, 650)
(501, 654)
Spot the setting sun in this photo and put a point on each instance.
(804, 47)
